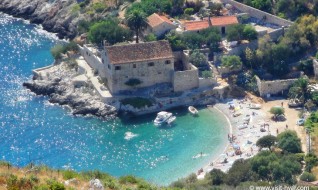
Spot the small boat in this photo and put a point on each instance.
(171, 119)
(255, 106)
(193, 110)
(162, 117)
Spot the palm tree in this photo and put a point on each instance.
(136, 21)
(300, 90)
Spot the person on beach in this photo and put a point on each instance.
(282, 104)
(286, 126)
(277, 131)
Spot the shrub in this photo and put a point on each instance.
(150, 37)
(231, 62)
(55, 185)
(309, 177)
(57, 50)
(99, 7)
(206, 74)
(69, 174)
(128, 179)
(133, 82)
(189, 11)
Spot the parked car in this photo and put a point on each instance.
(294, 103)
(300, 122)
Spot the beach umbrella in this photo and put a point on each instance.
(236, 146)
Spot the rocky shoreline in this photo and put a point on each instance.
(56, 83)
(54, 15)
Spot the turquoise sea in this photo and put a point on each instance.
(33, 130)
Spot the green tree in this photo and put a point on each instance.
(249, 57)
(277, 111)
(216, 176)
(216, 8)
(235, 32)
(311, 161)
(289, 142)
(137, 21)
(309, 177)
(299, 90)
(150, 37)
(197, 58)
(249, 32)
(231, 61)
(108, 30)
(240, 172)
(194, 40)
(176, 41)
(266, 142)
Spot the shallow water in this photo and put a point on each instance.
(33, 130)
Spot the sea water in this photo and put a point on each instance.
(33, 130)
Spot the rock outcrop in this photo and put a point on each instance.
(57, 16)
(56, 83)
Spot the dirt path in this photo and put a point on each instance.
(292, 117)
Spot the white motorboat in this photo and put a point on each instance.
(171, 119)
(193, 110)
(162, 117)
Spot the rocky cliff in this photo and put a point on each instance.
(56, 16)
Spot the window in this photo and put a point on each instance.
(168, 62)
(151, 64)
(102, 60)
(159, 73)
(108, 67)
(134, 65)
(117, 68)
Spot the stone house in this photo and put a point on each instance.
(159, 25)
(151, 63)
(220, 22)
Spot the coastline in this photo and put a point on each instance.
(246, 138)
(242, 136)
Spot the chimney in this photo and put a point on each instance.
(209, 20)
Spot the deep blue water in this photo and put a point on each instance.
(32, 130)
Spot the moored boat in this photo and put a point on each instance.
(193, 110)
(162, 117)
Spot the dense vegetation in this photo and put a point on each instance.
(290, 9)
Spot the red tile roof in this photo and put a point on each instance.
(224, 20)
(155, 20)
(196, 25)
(130, 53)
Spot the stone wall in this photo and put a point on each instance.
(207, 82)
(186, 80)
(315, 64)
(240, 49)
(258, 13)
(273, 87)
(275, 34)
(93, 60)
(155, 73)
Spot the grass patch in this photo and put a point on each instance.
(137, 102)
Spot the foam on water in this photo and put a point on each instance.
(33, 130)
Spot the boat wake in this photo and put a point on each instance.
(199, 156)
